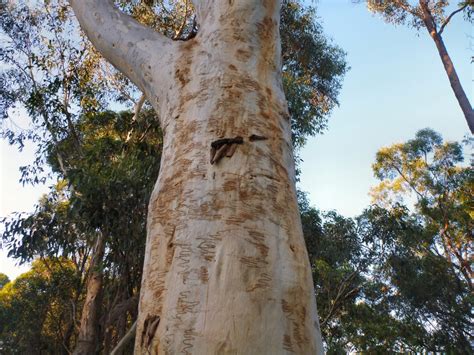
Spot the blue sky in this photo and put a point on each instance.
(396, 86)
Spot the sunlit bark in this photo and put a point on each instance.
(226, 270)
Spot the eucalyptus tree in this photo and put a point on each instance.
(36, 311)
(430, 170)
(433, 16)
(431, 270)
(52, 96)
(226, 269)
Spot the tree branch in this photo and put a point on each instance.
(125, 340)
(407, 7)
(179, 32)
(131, 47)
(138, 108)
(445, 22)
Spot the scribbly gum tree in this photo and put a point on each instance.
(226, 269)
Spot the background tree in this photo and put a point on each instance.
(433, 16)
(432, 270)
(430, 170)
(36, 309)
(390, 280)
(101, 184)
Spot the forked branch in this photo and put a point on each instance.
(445, 22)
(131, 47)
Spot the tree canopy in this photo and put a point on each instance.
(395, 278)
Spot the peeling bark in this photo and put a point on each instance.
(226, 269)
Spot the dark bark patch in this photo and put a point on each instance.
(265, 28)
(222, 141)
(220, 153)
(243, 55)
(256, 137)
(212, 154)
(257, 239)
(207, 247)
(224, 147)
(296, 317)
(269, 5)
(287, 343)
(190, 96)
(182, 75)
(204, 274)
(253, 262)
(170, 253)
(188, 341)
(247, 83)
(263, 282)
(184, 305)
(149, 329)
(230, 185)
(231, 150)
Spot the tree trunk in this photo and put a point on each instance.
(87, 341)
(448, 66)
(226, 269)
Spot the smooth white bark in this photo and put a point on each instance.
(140, 53)
(226, 270)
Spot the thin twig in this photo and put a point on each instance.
(125, 340)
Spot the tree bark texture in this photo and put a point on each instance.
(87, 341)
(226, 269)
(458, 90)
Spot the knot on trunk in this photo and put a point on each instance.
(224, 147)
(149, 328)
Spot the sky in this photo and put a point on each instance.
(396, 86)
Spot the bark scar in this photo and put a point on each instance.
(149, 328)
(224, 147)
(255, 137)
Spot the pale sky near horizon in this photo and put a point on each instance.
(396, 86)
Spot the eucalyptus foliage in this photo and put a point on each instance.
(398, 279)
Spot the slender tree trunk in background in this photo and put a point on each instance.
(89, 331)
(226, 269)
(448, 66)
